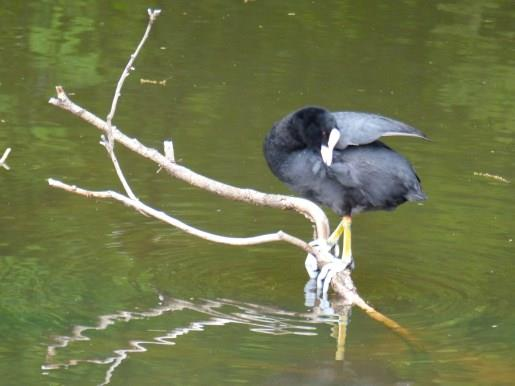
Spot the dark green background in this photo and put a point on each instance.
(443, 269)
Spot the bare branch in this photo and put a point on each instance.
(108, 142)
(305, 207)
(169, 152)
(4, 157)
(145, 209)
(153, 14)
(341, 283)
(110, 150)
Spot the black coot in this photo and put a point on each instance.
(335, 159)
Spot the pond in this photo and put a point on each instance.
(94, 293)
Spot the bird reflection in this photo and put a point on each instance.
(337, 307)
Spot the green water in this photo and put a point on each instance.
(158, 307)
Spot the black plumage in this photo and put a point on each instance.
(361, 173)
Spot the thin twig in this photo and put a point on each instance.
(109, 142)
(305, 207)
(4, 158)
(153, 14)
(492, 176)
(110, 150)
(143, 208)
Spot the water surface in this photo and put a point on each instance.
(93, 293)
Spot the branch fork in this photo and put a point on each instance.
(342, 282)
(111, 135)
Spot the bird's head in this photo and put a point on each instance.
(318, 129)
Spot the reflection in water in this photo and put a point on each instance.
(447, 65)
(220, 312)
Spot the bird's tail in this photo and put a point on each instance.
(418, 195)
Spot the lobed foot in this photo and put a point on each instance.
(325, 275)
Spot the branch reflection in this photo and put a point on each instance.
(219, 312)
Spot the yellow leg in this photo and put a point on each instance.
(347, 250)
(335, 236)
(343, 228)
(342, 337)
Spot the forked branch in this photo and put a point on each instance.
(147, 210)
(342, 283)
(305, 207)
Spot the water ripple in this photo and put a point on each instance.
(220, 312)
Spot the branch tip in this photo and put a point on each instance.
(169, 152)
(4, 157)
(153, 13)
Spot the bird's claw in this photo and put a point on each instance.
(311, 266)
(311, 263)
(329, 270)
(327, 273)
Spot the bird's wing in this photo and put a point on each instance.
(362, 128)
